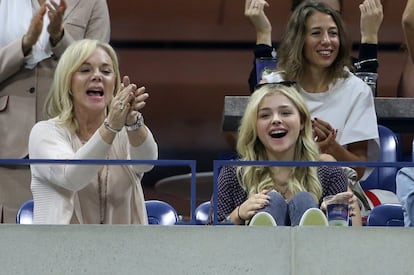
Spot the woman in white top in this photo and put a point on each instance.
(315, 53)
(92, 116)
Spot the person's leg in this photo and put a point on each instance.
(277, 208)
(405, 193)
(301, 202)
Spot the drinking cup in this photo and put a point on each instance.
(337, 210)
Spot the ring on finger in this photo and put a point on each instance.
(121, 106)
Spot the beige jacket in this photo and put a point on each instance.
(23, 91)
(88, 194)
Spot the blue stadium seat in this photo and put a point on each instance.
(201, 213)
(380, 186)
(386, 215)
(25, 213)
(161, 213)
(384, 177)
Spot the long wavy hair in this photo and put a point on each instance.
(254, 179)
(291, 59)
(59, 102)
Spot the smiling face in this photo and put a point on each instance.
(92, 85)
(278, 126)
(321, 40)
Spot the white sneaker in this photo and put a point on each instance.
(313, 216)
(262, 218)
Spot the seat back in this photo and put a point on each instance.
(201, 213)
(25, 213)
(160, 212)
(384, 177)
(386, 215)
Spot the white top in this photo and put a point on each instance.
(61, 190)
(348, 106)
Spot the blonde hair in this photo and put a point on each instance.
(59, 100)
(255, 179)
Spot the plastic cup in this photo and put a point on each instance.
(337, 210)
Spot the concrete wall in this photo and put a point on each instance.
(94, 249)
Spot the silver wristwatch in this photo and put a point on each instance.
(137, 125)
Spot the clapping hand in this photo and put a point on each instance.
(55, 13)
(324, 134)
(136, 102)
(34, 31)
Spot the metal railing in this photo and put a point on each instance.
(190, 163)
(217, 164)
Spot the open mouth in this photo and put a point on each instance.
(94, 93)
(278, 133)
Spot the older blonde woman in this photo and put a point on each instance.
(92, 116)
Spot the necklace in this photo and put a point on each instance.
(102, 192)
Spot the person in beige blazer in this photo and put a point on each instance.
(24, 83)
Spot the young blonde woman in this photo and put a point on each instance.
(276, 126)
